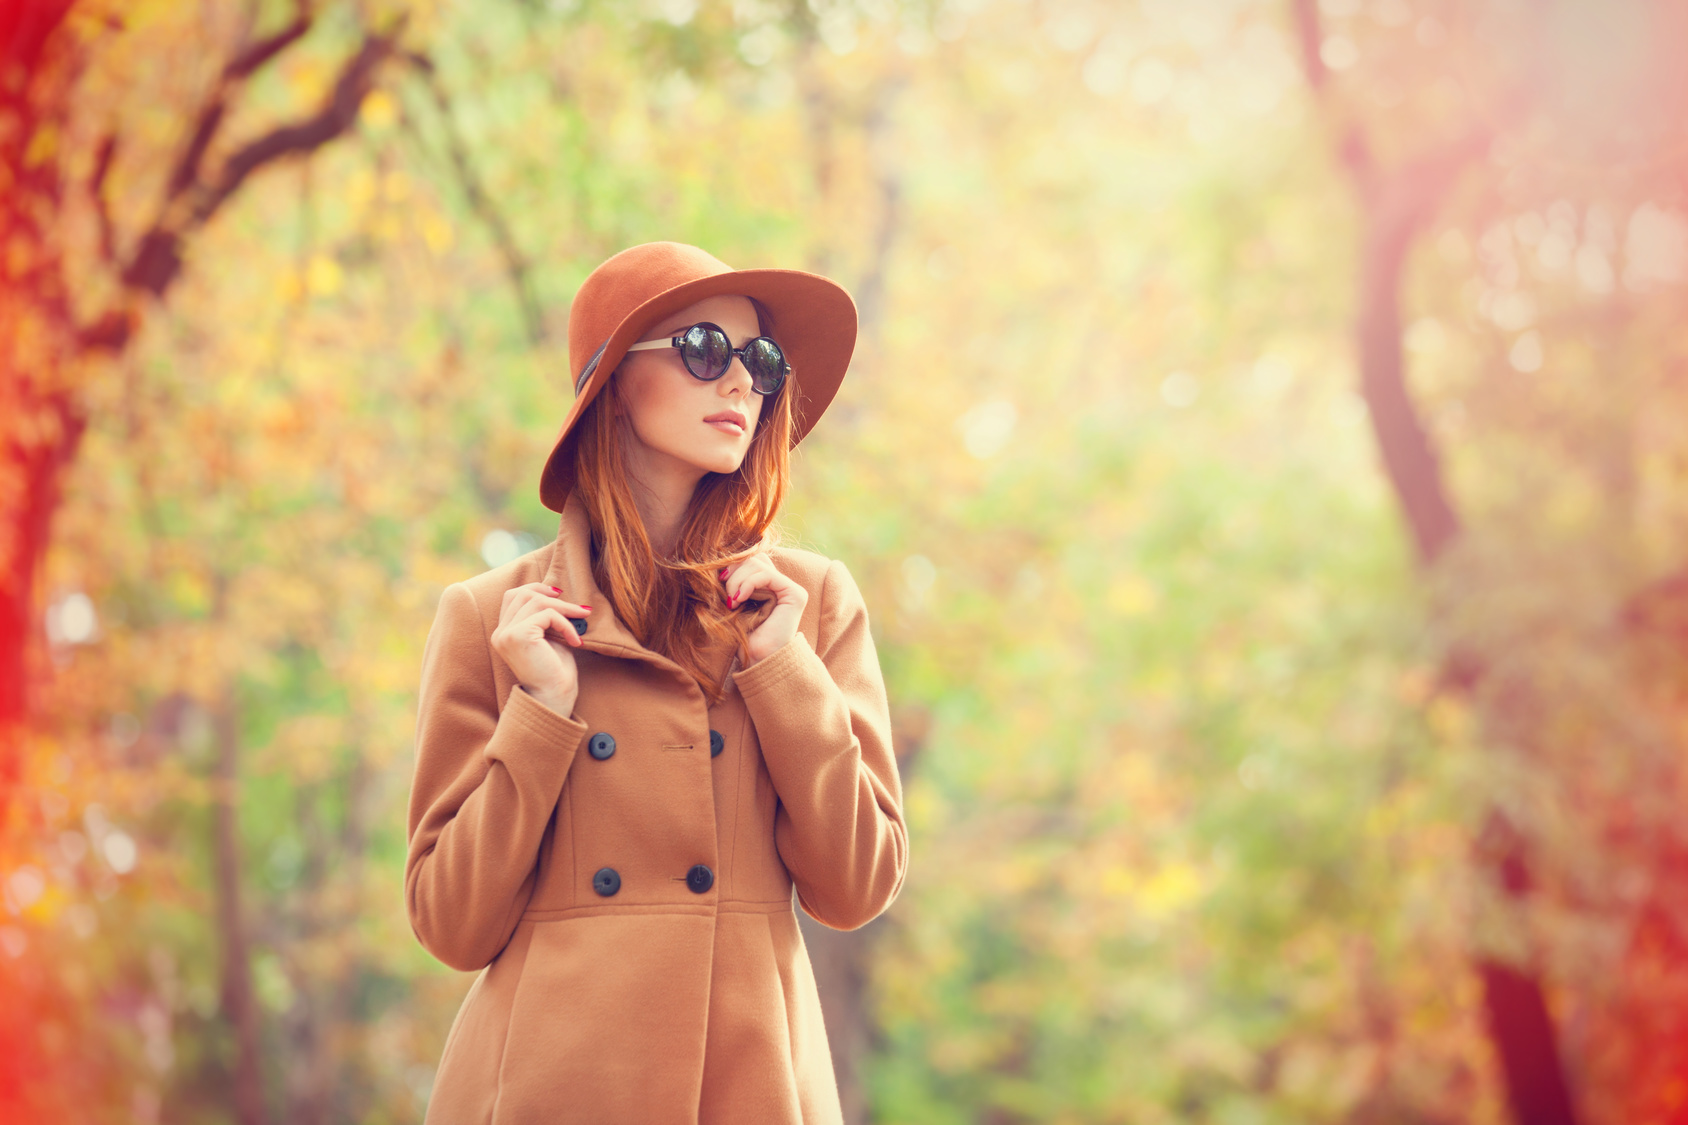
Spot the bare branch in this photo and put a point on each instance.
(158, 257)
(334, 118)
(1395, 211)
(103, 157)
(261, 52)
(516, 265)
(1309, 35)
(186, 172)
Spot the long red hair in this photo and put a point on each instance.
(677, 606)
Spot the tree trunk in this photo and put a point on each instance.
(41, 341)
(1394, 205)
(240, 1000)
(1519, 1023)
(841, 959)
(40, 443)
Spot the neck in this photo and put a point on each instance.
(662, 490)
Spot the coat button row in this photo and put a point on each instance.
(607, 881)
(601, 745)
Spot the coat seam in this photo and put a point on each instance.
(486, 643)
(744, 763)
(785, 1009)
(509, 1022)
(574, 847)
(653, 909)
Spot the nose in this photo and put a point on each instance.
(737, 378)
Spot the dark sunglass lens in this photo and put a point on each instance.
(706, 351)
(766, 363)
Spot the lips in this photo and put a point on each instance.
(729, 418)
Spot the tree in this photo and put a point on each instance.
(1534, 71)
(71, 301)
(54, 336)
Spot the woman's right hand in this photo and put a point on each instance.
(544, 667)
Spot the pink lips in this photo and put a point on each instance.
(732, 417)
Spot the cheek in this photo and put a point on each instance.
(661, 414)
(643, 398)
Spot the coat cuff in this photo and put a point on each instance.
(535, 744)
(794, 658)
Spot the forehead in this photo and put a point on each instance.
(734, 313)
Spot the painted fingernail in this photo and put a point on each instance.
(587, 608)
(556, 589)
(723, 573)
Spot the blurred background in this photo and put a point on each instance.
(1263, 459)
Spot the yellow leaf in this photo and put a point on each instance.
(436, 232)
(1131, 596)
(323, 277)
(1171, 888)
(379, 110)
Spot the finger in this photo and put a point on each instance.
(745, 582)
(538, 593)
(555, 594)
(555, 621)
(539, 589)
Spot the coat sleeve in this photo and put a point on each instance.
(825, 727)
(482, 794)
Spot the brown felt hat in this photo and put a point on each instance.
(814, 322)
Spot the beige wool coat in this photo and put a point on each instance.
(622, 877)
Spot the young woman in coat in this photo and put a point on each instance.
(635, 743)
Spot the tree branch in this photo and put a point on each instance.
(262, 51)
(157, 258)
(186, 172)
(1309, 36)
(1395, 204)
(103, 157)
(1395, 208)
(335, 117)
(516, 265)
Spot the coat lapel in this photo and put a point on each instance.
(570, 570)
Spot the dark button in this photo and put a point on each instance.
(699, 879)
(579, 625)
(716, 744)
(601, 746)
(607, 881)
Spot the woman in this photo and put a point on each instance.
(635, 742)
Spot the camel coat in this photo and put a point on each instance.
(626, 894)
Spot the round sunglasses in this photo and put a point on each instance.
(707, 352)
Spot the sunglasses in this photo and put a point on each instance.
(707, 352)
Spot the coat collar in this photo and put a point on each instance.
(570, 570)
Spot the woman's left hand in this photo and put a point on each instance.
(790, 598)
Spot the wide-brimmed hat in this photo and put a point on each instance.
(814, 323)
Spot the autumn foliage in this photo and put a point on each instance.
(1262, 462)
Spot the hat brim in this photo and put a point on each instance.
(814, 322)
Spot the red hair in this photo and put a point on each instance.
(677, 606)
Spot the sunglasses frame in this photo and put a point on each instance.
(678, 343)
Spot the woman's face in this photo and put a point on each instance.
(681, 424)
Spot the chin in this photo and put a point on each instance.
(721, 463)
